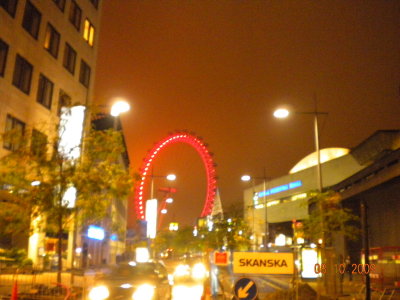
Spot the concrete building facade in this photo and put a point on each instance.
(369, 171)
(48, 52)
(47, 59)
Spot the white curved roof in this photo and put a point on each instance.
(311, 160)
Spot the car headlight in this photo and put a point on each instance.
(181, 292)
(144, 292)
(100, 292)
(199, 271)
(182, 270)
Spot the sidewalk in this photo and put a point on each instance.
(45, 281)
(355, 290)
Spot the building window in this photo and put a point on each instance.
(14, 131)
(3, 57)
(10, 6)
(64, 100)
(69, 58)
(60, 4)
(75, 15)
(22, 74)
(84, 75)
(88, 32)
(52, 40)
(38, 143)
(31, 21)
(45, 91)
(95, 3)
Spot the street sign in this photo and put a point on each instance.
(221, 258)
(263, 263)
(245, 289)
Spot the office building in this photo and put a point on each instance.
(48, 53)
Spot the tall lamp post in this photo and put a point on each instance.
(283, 113)
(169, 177)
(151, 216)
(247, 178)
(120, 106)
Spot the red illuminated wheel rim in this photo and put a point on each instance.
(206, 157)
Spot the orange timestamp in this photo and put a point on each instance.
(361, 269)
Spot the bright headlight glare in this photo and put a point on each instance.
(181, 292)
(199, 271)
(144, 292)
(182, 270)
(99, 293)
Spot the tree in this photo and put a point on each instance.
(231, 234)
(39, 174)
(328, 217)
(228, 234)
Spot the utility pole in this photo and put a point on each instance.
(365, 239)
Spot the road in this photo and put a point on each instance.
(180, 289)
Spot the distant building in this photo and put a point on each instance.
(48, 52)
(113, 247)
(370, 172)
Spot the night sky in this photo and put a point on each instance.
(219, 68)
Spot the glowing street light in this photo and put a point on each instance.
(281, 113)
(171, 177)
(246, 178)
(164, 211)
(169, 200)
(119, 107)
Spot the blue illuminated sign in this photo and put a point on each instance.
(95, 232)
(281, 188)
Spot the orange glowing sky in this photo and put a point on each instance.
(219, 68)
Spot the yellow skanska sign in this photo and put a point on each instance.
(263, 263)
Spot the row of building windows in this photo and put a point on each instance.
(61, 4)
(22, 76)
(14, 133)
(69, 63)
(32, 19)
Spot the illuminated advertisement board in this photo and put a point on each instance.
(151, 218)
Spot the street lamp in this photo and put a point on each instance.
(247, 178)
(169, 177)
(282, 113)
(119, 107)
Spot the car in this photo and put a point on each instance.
(134, 281)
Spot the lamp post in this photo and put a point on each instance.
(167, 199)
(283, 113)
(247, 178)
(169, 177)
(118, 107)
